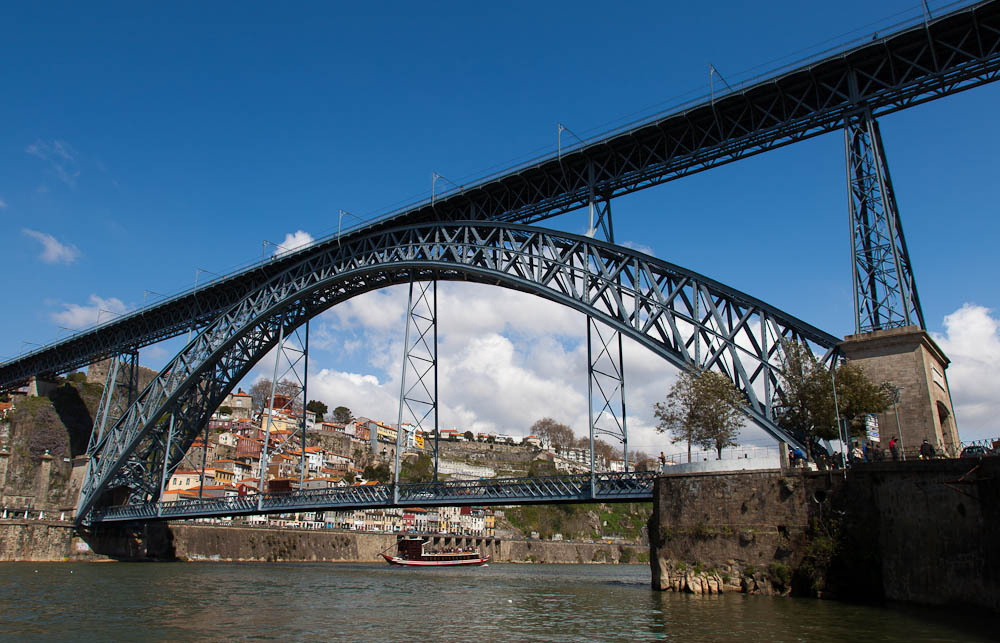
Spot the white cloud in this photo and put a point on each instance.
(506, 360)
(644, 249)
(61, 158)
(3, 204)
(52, 250)
(76, 316)
(972, 341)
(293, 241)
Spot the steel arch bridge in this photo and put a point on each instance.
(686, 318)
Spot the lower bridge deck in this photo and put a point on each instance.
(600, 487)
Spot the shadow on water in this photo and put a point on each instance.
(713, 618)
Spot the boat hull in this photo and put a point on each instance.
(468, 562)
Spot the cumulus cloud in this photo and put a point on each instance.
(644, 249)
(60, 157)
(972, 341)
(506, 359)
(77, 316)
(52, 250)
(293, 241)
(3, 204)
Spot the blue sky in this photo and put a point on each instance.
(140, 148)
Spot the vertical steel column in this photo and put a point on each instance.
(270, 419)
(305, 401)
(166, 465)
(884, 285)
(606, 370)
(590, 413)
(437, 431)
(402, 393)
(120, 391)
(204, 458)
(292, 353)
(420, 398)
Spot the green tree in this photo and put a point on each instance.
(418, 469)
(342, 414)
(721, 410)
(468, 436)
(317, 407)
(225, 410)
(378, 472)
(540, 468)
(703, 408)
(807, 402)
(677, 413)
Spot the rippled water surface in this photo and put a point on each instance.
(369, 602)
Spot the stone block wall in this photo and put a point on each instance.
(910, 359)
(925, 532)
(729, 529)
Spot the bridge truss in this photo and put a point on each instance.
(922, 62)
(607, 487)
(688, 319)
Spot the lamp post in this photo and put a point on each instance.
(899, 431)
(836, 405)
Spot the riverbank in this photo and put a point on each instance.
(36, 540)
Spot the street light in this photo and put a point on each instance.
(263, 249)
(836, 406)
(434, 177)
(198, 271)
(146, 293)
(110, 312)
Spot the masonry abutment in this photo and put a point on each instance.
(910, 359)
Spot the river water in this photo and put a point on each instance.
(375, 602)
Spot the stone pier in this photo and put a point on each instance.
(910, 359)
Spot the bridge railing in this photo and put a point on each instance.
(635, 486)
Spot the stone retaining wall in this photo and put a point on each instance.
(922, 531)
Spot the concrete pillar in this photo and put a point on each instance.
(42, 488)
(908, 358)
(78, 473)
(4, 460)
(40, 388)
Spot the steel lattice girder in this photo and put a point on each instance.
(610, 487)
(885, 291)
(690, 320)
(946, 55)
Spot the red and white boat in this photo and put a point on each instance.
(410, 551)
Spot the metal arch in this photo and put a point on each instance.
(921, 62)
(675, 312)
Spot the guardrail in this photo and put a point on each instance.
(603, 487)
(11, 513)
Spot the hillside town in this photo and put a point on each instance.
(294, 448)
